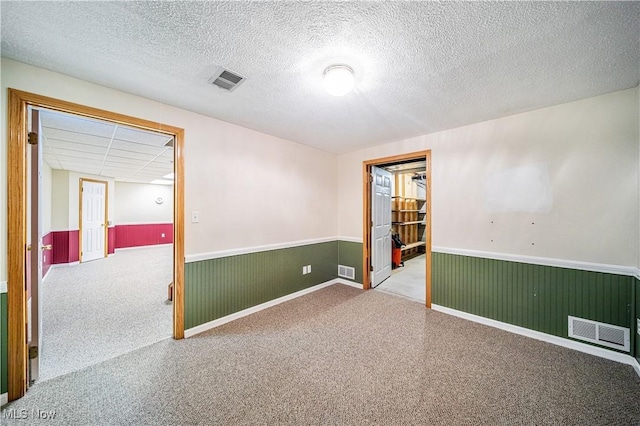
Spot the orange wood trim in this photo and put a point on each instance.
(178, 235)
(366, 214)
(366, 226)
(16, 245)
(428, 226)
(106, 214)
(18, 102)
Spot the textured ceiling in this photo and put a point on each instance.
(102, 148)
(420, 66)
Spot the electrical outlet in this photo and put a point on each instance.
(638, 327)
(308, 269)
(162, 235)
(304, 270)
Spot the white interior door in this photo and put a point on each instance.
(381, 225)
(94, 195)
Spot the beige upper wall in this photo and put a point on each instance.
(251, 189)
(588, 150)
(135, 203)
(47, 185)
(60, 200)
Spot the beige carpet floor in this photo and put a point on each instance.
(342, 356)
(104, 308)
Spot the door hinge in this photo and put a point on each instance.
(371, 178)
(33, 352)
(33, 138)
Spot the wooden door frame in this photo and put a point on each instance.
(106, 216)
(18, 104)
(366, 214)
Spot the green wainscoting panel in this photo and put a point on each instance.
(4, 382)
(635, 320)
(350, 254)
(531, 296)
(219, 287)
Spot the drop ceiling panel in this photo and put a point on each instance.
(56, 135)
(141, 137)
(69, 146)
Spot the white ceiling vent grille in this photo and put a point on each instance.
(227, 80)
(346, 272)
(608, 335)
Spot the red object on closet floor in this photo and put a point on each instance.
(396, 257)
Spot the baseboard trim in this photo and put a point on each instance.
(140, 247)
(544, 261)
(636, 366)
(560, 341)
(349, 283)
(252, 310)
(4, 399)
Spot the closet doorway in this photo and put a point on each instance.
(397, 225)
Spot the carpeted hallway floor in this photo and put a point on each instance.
(341, 356)
(104, 308)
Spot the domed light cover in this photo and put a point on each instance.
(338, 80)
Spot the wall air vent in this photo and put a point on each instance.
(599, 333)
(346, 272)
(227, 80)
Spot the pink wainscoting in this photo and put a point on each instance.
(143, 235)
(111, 240)
(65, 246)
(47, 255)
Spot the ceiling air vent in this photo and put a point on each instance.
(227, 80)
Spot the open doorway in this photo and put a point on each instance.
(22, 137)
(397, 225)
(107, 189)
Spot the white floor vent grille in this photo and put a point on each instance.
(346, 272)
(608, 335)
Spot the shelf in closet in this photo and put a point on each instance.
(408, 198)
(415, 222)
(408, 211)
(413, 245)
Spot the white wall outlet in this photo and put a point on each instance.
(195, 217)
(638, 327)
(304, 270)
(162, 235)
(308, 269)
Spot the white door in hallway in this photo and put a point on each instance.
(93, 220)
(381, 225)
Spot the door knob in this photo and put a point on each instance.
(47, 247)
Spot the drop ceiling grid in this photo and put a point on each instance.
(91, 146)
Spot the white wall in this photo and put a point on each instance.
(135, 203)
(250, 188)
(47, 188)
(60, 200)
(589, 150)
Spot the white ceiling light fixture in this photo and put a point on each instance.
(338, 80)
(170, 176)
